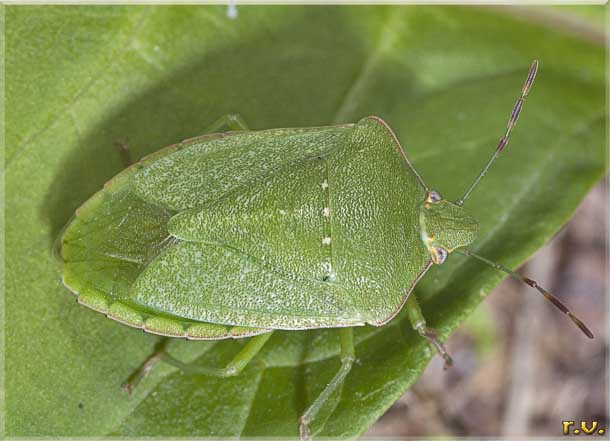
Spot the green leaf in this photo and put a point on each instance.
(81, 78)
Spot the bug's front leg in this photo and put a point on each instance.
(234, 367)
(347, 360)
(419, 324)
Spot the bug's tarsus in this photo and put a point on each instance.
(137, 376)
(514, 117)
(547, 295)
(418, 322)
(432, 336)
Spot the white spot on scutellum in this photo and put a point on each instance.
(326, 212)
(324, 184)
(282, 212)
(326, 240)
(330, 273)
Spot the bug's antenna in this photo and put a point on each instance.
(550, 297)
(511, 123)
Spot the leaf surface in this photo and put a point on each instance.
(80, 79)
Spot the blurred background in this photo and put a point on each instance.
(521, 367)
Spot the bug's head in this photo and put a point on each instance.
(445, 226)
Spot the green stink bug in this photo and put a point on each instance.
(240, 233)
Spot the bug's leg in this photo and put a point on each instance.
(419, 324)
(347, 359)
(234, 367)
(147, 366)
(233, 121)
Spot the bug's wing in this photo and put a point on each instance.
(213, 283)
(311, 215)
(106, 246)
(122, 228)
(254, 250)
(256, 256)
(206, 171)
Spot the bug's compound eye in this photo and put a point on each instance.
(439, 254)
(433, 196)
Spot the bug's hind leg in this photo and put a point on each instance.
(233, 121)
(234, 367)
(347, 360)
(419, 324)
(137, 376)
